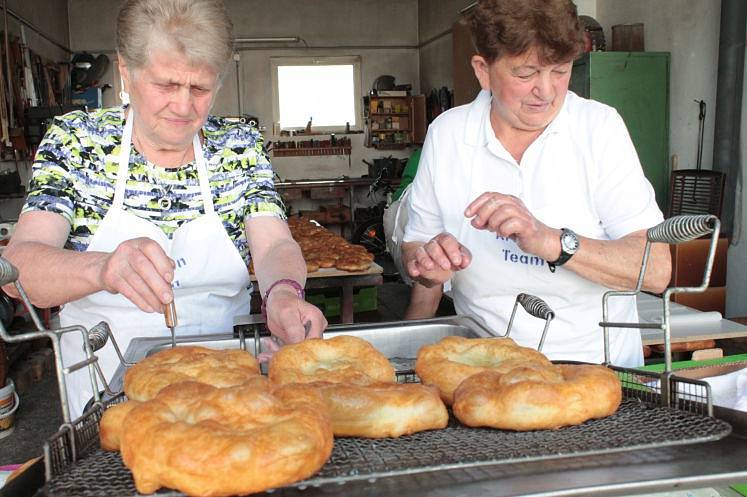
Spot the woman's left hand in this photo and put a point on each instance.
(292, 319)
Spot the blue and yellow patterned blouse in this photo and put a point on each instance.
(75, 171)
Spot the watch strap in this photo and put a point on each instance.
(564, 256)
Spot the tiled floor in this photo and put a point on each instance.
(39, 416)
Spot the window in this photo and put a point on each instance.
(325, 89)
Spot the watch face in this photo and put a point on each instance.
(569, 242)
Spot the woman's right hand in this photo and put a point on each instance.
(140, 270)
(435, 261)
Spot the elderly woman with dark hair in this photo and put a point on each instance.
(531, 188)
(158, 201)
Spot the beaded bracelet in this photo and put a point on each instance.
(285, 281)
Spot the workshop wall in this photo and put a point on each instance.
(51, 17)
(435, 20)
(382, 32)
(689, 30)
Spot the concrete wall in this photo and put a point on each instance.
(435, 18)
(381, 32)
(689, 30)
(51, 17)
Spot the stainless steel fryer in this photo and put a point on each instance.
(663, 435)
(640, 423)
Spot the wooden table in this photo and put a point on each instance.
(347, 281)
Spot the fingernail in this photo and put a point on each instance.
(166, 297)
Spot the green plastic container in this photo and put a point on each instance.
(330, 301)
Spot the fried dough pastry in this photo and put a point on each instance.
(208, 441)
(143, 381)
(342, 359)
(352, 264)
(377, 410)
(323, 249)
(453, 359)
(220, 368)
(112, 421)
(535, 397)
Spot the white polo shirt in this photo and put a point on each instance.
(582, 173)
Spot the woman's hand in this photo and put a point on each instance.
(435, 261)
(292, 319)
(140, 270)
(507, 216)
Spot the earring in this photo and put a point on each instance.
(123, 95)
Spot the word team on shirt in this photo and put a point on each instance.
(518, 257)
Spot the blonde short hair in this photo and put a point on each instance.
(199, 29)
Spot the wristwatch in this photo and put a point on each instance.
(568, 247)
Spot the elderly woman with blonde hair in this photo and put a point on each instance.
(135, 207)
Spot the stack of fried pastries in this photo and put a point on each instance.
(323, 249)
(496, 383)
(358, 385)
(217, 432)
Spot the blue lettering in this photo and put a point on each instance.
(505, 254)
(514, 258)
(180, 262)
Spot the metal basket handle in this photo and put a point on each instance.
(536, 307)
(679, 229)
(8, 272)
(93, 340)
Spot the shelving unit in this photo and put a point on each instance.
(301, 151)
(394, 122)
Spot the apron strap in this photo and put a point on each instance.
(124, 164)
(207, 195)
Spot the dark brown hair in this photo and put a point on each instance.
(512, 27)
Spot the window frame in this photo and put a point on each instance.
(353, 60)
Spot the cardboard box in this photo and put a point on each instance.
(728, 382)
(698, 373)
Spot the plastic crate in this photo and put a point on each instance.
(330, 302)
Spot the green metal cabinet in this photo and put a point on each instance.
(637, 85)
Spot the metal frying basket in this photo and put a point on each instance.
(676, 229)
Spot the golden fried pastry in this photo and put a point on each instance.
(352, 264)
(326, 262)
(220, 368)
(453, 359)
(203, 440)
(535, 397)
(376, 410)
(319, 246)
(342, 359)
(110, 426)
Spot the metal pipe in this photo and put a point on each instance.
(726, 153)
(268, 39)
(7, 65)
(237, 59)
(468, 8)
(34, 28)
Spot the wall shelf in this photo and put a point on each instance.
(301, 151)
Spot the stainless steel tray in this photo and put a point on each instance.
(640, 424)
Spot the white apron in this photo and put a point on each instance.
(211, 281)
(500, 270)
